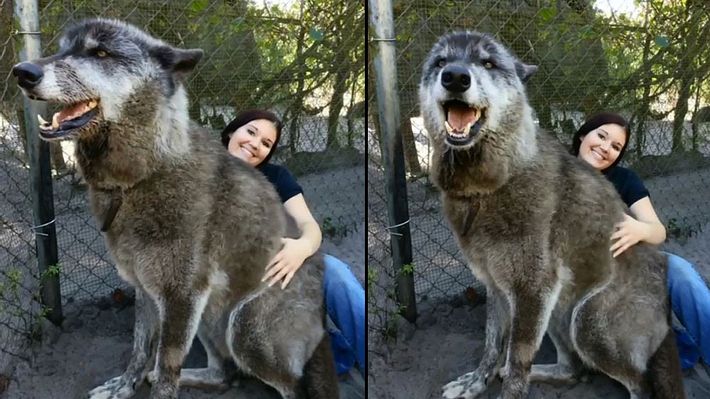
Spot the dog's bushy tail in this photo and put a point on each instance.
(664, 376)
(320, 380)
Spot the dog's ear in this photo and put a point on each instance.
(177, 60)
(187, 59)
(524, 71)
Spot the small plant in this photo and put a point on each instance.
(36, 331)
(333, 229)
(14, 277)
(52, 271)
(385, 313)
(371, 278)
(10, 293)
(682, 231)
(390, 330)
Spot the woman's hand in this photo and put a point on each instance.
(628, 233)
(287, 262)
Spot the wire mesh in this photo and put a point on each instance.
(302, 59)
(647, 64)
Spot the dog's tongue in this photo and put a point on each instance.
(459, 117)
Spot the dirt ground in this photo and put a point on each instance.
(448, 342)
(95, 346)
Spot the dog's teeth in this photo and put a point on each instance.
(449, 129)
(55, 120)
(41, 120)
(92, 103)
(467, 128)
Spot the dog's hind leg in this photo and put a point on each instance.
(256, 354)
(285, 347)
(474, 383)
(144, 331)
(620, 350)
(613, 360)
(319, 379)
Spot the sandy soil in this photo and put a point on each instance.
(94, 346)
(448, 342)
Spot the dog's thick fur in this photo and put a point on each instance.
(189, 225)
(535, 224)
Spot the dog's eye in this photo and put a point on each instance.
(101, 54)
(488, 65)
(441, 62)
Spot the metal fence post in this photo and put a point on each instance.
(27, 15)
(382, 21)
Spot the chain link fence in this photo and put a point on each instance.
(302, 59)
(649, 64)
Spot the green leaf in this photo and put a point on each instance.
(587, 32)
(199, 5)
(662, 41)
(315, 34)
(547, 14)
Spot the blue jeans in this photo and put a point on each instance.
(690, 300)
(345, 303)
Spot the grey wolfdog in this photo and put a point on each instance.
(535, 226)
(190, 226)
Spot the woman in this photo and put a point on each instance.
(601, 142)
(253, 136)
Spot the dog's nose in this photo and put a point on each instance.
(456, 78)
(28, 74)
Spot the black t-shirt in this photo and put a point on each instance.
(281, 178)
(627, 184)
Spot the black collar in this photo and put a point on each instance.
(116, 201)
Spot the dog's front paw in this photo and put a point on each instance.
(163, 390)
(467, 386)
(115, 388)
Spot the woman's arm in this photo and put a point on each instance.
(295, 251)
(643, 225)
(310, 231)
(643, 212)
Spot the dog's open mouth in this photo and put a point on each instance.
(68, 120)
(463, 122)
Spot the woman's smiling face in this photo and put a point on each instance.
(253, 142)
(602, 146)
